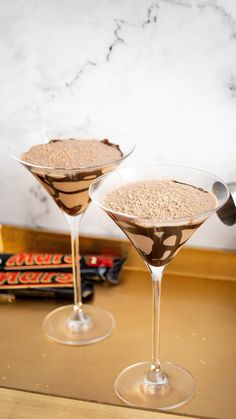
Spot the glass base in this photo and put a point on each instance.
(64, 327)
(133, 387)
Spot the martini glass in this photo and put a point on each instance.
(156, 384)
(75, 324)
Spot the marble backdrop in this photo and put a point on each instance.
(164, 71)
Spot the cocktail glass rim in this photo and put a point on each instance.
(158, 220)
(74, 169)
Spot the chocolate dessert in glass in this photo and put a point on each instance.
(65, 161)
(158, 207)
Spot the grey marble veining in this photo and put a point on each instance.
(163, 71)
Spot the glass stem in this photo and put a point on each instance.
(155, 375)
(74, 222)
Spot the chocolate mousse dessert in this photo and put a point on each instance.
(159, 216)
(66, 167)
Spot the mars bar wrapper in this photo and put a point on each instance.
(42, 284)
(96, 268)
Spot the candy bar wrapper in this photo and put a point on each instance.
(43, 284)
(49, 275)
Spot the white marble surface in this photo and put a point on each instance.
(164, 71)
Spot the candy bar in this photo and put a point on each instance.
(50, 275)
(93, 267)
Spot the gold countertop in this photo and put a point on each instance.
(197, 331)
